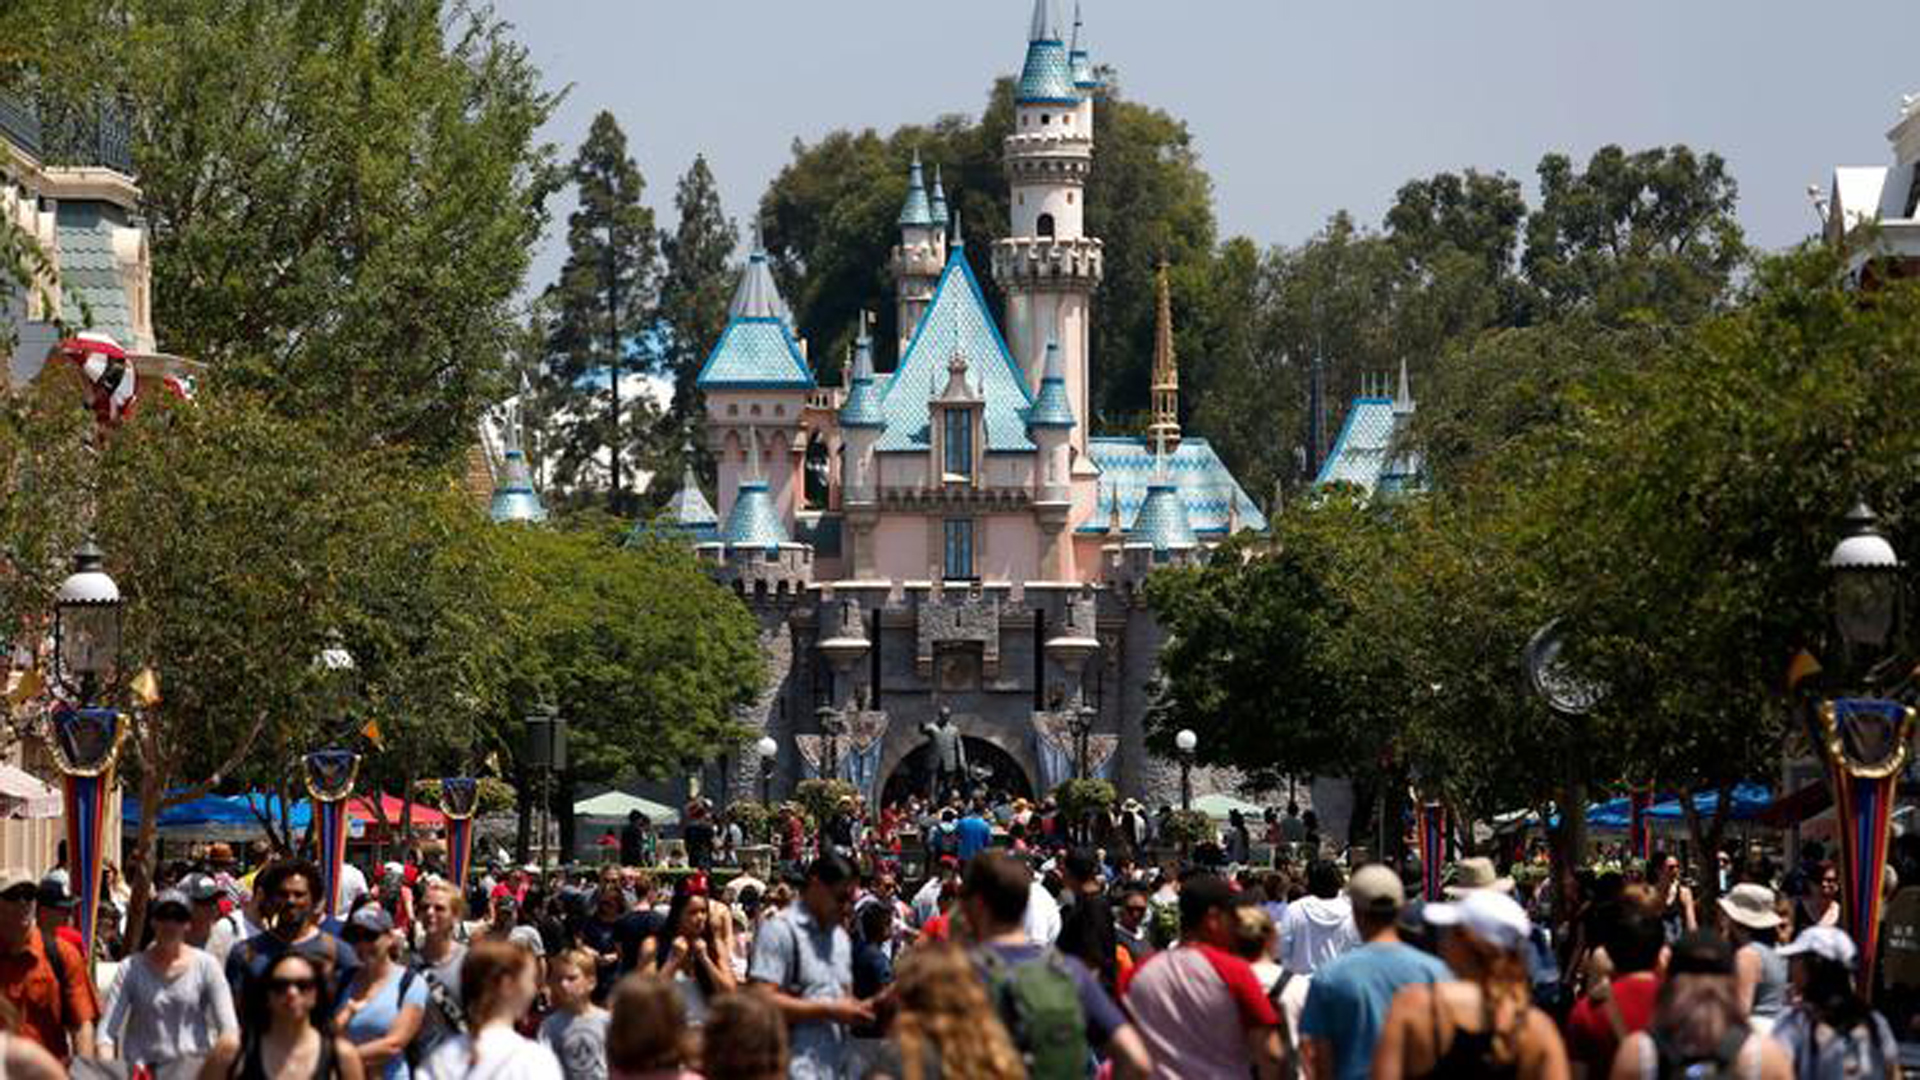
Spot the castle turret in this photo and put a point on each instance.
(513, 496)
(1165, 430)
(861, 425)
(922, 253)
(1047, 266)
(1050, 424)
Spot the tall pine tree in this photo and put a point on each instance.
(699, 282)
(602, 308)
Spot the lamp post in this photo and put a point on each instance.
(330, 776)
(1080, 723)
(768, 751)
(546, 753)
(1864, 739)
(85, 729)
(1185, 742)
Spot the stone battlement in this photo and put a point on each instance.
(1043, 260)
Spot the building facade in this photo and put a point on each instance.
(951, 537)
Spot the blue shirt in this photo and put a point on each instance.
(376, 1018)
(975, 835)
(803, 959)
(1347, 1001)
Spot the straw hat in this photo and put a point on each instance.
(1751, 906)
(1475, 875)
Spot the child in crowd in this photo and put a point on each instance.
(576, 1031)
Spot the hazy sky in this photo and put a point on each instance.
(1298, 109)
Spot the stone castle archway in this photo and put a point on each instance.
(994, 768)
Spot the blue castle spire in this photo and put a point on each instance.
(1047, 76)
(917, 211)
(1052, 408)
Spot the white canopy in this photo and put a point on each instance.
(616, 804)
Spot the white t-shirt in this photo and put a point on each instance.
(498, 1053)
(353, 886)
(1042, 922)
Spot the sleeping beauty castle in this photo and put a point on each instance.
(951, 539)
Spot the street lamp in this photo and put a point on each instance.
(546, 753)
(84, 729)
(86, 627)
(1185, 742)
(768, 751)
(1863, 739)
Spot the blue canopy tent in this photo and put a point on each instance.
(217, 817)
(1748, 802)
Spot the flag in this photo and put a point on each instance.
(493, 763)
(112, 384)
(146, 688)
(372, 732)
(1804, 667)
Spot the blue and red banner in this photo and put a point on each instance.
(330, 824)
(86, 803)
(459, 851)
(1865, 745)
(1431, 830)
(1639, 824)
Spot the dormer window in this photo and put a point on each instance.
(958, 441)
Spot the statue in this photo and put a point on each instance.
(949, 755)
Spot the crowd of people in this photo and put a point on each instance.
(1007, 954)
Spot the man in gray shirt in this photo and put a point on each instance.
(803, 961)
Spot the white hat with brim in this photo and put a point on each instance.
(1477, 875)
(1829, 943)
(1491, 916)
(1751, 906)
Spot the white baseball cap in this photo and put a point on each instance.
(1826, 942)
(1492, 916)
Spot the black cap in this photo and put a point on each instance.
(53, 892)
(1700, 952)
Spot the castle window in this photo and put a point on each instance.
(1069, 198)
(958, 442)
(1045, 225)
(1046, 118)
(959, 550)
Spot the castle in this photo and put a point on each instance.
(952, 536)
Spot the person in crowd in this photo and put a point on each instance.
(698, 834)
(1201, 1009)
(293, 926)
(1239, 839)
(53, 910)
(1086, 934)
(872, 963)
(1130, 929)
(170, 1001)
(1319, 926)
(286, 1033)
(576, 1030)
(1699, 1026)
(746, 1039)
(615, 933)
(945, 1026)
(43, 977)
(212, 929)
(1483, 1022)
(504, 924)
(22, 1058)
(803, 961)
(1832, 1031)
(1819, 903)
(1748, 919)
(1347, 1000)
(648, 1038)
(438, 961)
(384, 1004)
(1253, 936)
(1676, 897)
(498, 984)
(692, 950)
(636, 841)
(972, 832)
(1633, 936)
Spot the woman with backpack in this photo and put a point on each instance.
(383, 1007)
(1699, 1026)
(1833, 1032)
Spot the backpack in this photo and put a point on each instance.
(1671, 1063)
(1039, 1001)
(58, 963)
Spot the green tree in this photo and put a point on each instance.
(602, 306)
(697, 286)
(342, 200)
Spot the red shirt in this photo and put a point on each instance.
(1590, 1036)
(30, 983)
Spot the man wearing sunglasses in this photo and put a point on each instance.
(56, 1005)
(292, 888)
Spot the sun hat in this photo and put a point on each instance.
(1751, 906)
(1376, 890)
(1829, 943)
(1490, 915)
(1475, 874)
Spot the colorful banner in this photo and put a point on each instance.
(1865, 743)
(86, 800)
(459, 851)
(1639, 825)
(1431, 822)
(330, 824)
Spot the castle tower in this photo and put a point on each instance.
(1164, 432)
(1050, 425)
(922, 252)
(1047, 265)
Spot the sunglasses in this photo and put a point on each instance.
(301, 986)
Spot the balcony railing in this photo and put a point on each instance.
(71, 135)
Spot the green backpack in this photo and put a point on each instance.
(1039, 1001)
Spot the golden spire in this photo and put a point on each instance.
(1164, 432)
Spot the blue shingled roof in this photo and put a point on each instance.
(1047, 77)
(753, 521)
(956, 320)
(756, 353)
(1206, 488)
(940, 217)
(1162, 520)
(90, 273)
(1364, 454)
(513, 496)
(862, 407)
(917, 210)
(1051, 408)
